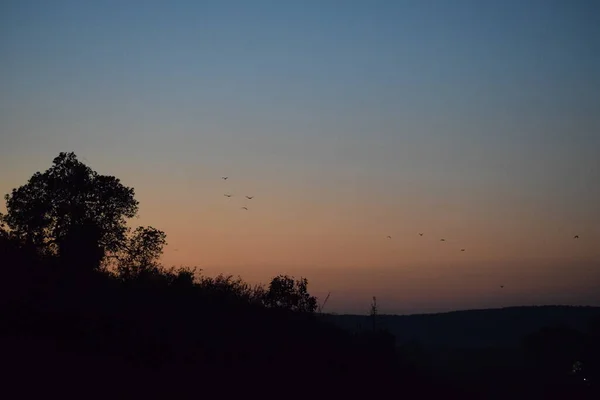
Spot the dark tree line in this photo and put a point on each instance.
(78, 216)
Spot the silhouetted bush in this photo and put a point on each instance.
(287, 293)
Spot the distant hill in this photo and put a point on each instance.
(503, 327)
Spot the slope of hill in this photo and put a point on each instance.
(504, 327)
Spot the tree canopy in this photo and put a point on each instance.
(73, 212)
(140, 252)
(287, 293)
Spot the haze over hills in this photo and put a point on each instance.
(502, 327)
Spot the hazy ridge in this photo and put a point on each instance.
(503, 327)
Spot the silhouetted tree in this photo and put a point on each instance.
(140, 254)
(71, 211)
(287, 293)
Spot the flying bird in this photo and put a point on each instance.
(245, 208)
(442, 240)
(224, 178)
(227, 195)
(249, 197)
(462, 249)
(576, 237)
(501, 286)
(389, 237)
(420, 234)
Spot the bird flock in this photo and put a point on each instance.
(463, 249)
(229, 195)
(389, 237)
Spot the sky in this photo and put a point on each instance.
(473, 121)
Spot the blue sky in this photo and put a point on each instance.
(489, 107)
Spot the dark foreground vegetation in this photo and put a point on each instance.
(527, 352)
(88, 312)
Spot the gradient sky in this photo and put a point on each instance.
(475, 121)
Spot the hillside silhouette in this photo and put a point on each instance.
(88, 311)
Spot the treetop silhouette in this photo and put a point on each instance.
(291, 294)
(75, 213)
